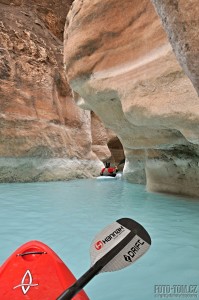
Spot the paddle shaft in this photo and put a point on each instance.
(95, 269)
(135, 229)
(80, 283)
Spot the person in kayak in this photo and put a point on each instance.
(108, 170)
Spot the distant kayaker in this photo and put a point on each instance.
(108, 170)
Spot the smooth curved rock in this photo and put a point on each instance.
(118, 59)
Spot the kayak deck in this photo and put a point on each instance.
(34, 271)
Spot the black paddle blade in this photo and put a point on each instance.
(119, 245)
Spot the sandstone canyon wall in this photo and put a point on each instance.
(43, 134)
(181, 22)
(105, 143)
(120, 64)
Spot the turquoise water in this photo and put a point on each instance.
(67, 216)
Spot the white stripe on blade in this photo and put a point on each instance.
(107, 240)
(128, 255)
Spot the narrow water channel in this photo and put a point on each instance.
(67, 216)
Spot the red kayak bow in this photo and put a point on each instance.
(33, 272)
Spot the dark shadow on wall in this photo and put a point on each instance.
(117, 153)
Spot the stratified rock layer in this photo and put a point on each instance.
(118, 59)
(43, 134)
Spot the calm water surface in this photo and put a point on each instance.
(67, 215)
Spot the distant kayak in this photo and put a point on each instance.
(34, 271)
(118, 176)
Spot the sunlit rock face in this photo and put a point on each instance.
(43, 134)
(119, 60)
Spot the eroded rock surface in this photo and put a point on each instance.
(181, 22)
(43, 134)
(120, 62)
